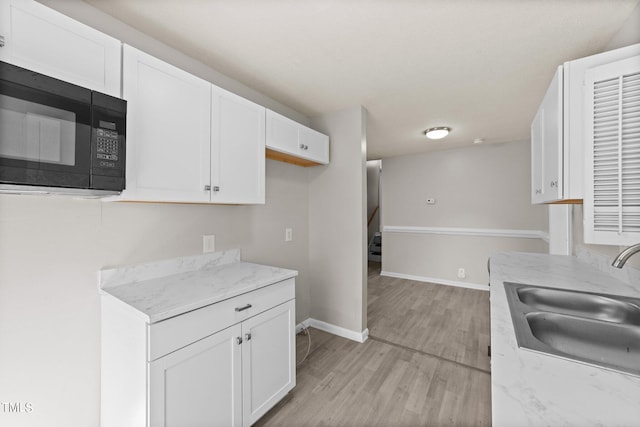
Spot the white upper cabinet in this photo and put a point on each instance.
(612, 133)
(562, 117)
(237, 149)
(168, 131)
(546, 145)
(291, 142)
(188, 140)
(50, 43)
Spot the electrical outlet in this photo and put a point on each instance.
(288, 234)
(461, 273)
(208, 243)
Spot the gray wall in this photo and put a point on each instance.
(337, 224)
(629, 33)
(480, 187)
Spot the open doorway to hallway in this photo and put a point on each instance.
(374, 234)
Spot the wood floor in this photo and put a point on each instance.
(425, 363)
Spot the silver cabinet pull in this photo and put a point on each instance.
(247, 337)
(239, 340)
(216, 188)
(243, 308)
(207, 188)
(554, 183)
(538, 191)
(1, 41)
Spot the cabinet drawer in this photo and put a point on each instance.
(174, 333)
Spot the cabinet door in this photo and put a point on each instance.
(536, 157)
(168, 131)
(237, 149)
(547, 148)
(268, 360)
(282, 133)
(198, 385)
(314, 145)
(48, 42)
(612, 131)
(295, 141)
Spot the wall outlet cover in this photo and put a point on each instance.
(288, 234)
(431, 201)
(461, 273)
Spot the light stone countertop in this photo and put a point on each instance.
(163, 289)
(534, 389)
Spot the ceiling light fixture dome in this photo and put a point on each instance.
(437, 132)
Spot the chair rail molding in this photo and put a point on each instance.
(466, 231)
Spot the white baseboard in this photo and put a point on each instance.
(436, 280)
(333, 329)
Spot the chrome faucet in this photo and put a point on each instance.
(623, 256)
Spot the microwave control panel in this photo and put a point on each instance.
(107, 147)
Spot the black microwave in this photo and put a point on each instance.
(56, 137)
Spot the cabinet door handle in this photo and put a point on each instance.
(538, 191)
(239, 340)
(243, 308)
(554, 183)
(247, 337)
(207, 188)
(1, 41)
(216, 188)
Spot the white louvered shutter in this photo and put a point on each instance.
(612, 130)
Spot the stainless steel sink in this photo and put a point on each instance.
(582, 304)
(597, 329)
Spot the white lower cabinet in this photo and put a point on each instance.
(198, 385)
(268, 360)
(224, 364)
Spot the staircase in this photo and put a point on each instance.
(375, 248)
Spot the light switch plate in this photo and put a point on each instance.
(208, 243)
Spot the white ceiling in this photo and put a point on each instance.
(478, 66)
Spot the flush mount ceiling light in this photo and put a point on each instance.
(437, 133)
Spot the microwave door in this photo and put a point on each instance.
(44, 137)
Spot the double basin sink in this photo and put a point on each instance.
(597, 329)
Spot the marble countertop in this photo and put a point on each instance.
(163, 289)
(534, 389)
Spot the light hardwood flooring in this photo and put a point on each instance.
(446, 321)
(425, 363)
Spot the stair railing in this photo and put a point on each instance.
(373, 215)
